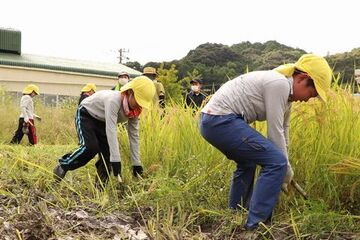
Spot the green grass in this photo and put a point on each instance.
(184, 192)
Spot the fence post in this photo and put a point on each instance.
(57, 100)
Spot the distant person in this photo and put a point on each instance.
(195, 97)
(159, 98)
(123, 78)
(259, 96)
(26, 121)
(88, 90)
(96, 123)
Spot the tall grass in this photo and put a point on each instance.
(56, 126)
(185, 188)
(322, 135)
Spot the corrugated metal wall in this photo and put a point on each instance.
(10, 41)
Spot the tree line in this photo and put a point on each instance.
(217, 63)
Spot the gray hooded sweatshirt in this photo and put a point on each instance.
(106, 106)
(258, 96)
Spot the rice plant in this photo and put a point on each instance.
(184, 192)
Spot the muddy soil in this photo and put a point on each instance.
(39, 218)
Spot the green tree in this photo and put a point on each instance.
(172, 85)
(345, 64)
(217, 62)
(134, 65)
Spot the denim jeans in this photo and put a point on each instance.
(248, 148)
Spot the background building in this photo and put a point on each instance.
(56, 77)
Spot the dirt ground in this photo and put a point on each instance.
(39, 219)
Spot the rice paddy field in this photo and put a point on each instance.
(184, 192)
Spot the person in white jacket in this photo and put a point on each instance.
(26, 120)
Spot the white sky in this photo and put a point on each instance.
(164, 30)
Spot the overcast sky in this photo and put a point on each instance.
(164, 30)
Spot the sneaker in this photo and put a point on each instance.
(138, 171)
(251, 228)
(59, 173)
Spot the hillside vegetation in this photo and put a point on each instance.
(216, 63)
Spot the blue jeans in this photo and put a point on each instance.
(248, 148)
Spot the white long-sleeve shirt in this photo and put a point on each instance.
(26, 108)
(258, 96)
(106, 106)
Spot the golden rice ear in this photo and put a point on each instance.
(206, 100)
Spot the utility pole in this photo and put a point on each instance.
(122, 56)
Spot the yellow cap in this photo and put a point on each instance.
(317, 68)
(31, 88)
(149, 70)
(144, 90)
(88, 87)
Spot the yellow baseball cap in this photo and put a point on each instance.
(88, 87)
(318, 69)
(31, 88)
(144, 90)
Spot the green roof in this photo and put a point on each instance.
(10, 41)
(65, 65)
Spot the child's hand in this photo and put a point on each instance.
(288, 178)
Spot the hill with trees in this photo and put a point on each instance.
(345, 63)
(217, 63)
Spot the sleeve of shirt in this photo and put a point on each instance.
(24, 106)
(133, 132)
(287, 127)
(187, 100)
(276, 97)
(111, 114)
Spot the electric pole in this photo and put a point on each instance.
(122, 56)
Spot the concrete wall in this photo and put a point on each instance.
(50, 82)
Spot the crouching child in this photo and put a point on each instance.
(96, 124)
